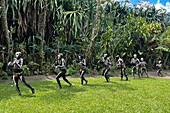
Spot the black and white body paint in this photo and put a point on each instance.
(135, 62)
(82, 63)
(122, 66)
(142, 65)
(60, 63)
(17, 72)
(17, 62)
(159, 65)
(106, 62)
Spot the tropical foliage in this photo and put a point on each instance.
(42, 28)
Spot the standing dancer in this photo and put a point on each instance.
(122, 67)
(60, 63)
(135, 61)
(17, 72)
(106, 62)
(143, 64)
(159, 65)
(82, 63)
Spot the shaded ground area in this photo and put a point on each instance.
(147, 95)
(52, 77)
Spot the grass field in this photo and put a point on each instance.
(144, 95)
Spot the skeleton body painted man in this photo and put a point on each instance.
(82, 63)
(106, 62)
(60, 63)
(142, 65)
(159, 65)
(135, 61)
(17, 72)
(122, 67)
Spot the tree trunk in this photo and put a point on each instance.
(165, 61)
(94, 28)
(42, 33)
(5, 28)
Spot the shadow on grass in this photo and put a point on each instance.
(113, 86)
(151, 78)
(7, 91)
(49, 87)
(73, 89)
(142, 78)
(52, 85)
(66, 93)
(28, 96)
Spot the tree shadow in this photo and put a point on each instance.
(145, 78)
(110, 86)
(28, 96)
(66, 93)
(51, 85)
(73, 89)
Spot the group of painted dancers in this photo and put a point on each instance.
(60, 63)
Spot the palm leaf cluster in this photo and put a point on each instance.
(68, 25)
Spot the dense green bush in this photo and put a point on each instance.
(5, 76)
(70, 71)
(128, 71)
(119, 30)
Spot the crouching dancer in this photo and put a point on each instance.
(135, 61)
(122, 66)
(17, 72)
(82, 63)
(143, 64)
(60, 63)
(159, 65)
(106, 62)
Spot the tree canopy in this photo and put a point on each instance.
(42, 28)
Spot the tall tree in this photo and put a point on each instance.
(42, 32)
(5, 28)
(94, 27)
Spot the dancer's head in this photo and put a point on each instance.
(135, 55)
(18, 55)
(60, 55)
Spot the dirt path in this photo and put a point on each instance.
(52, 77)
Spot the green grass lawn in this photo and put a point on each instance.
(144, 95)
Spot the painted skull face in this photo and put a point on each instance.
(18, 54)
(117, 56)
(141, 59)
(79, 57)
(105, 55)
(60, 55)
(135, 56)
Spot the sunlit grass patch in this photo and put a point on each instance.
(139, 95)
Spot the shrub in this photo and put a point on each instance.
(4, 76)
(47, 68)
(112, 68)
(36, 72)
(70, 71)
(33, 66)
(1, 64)
(26, 70)
(128, 71)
